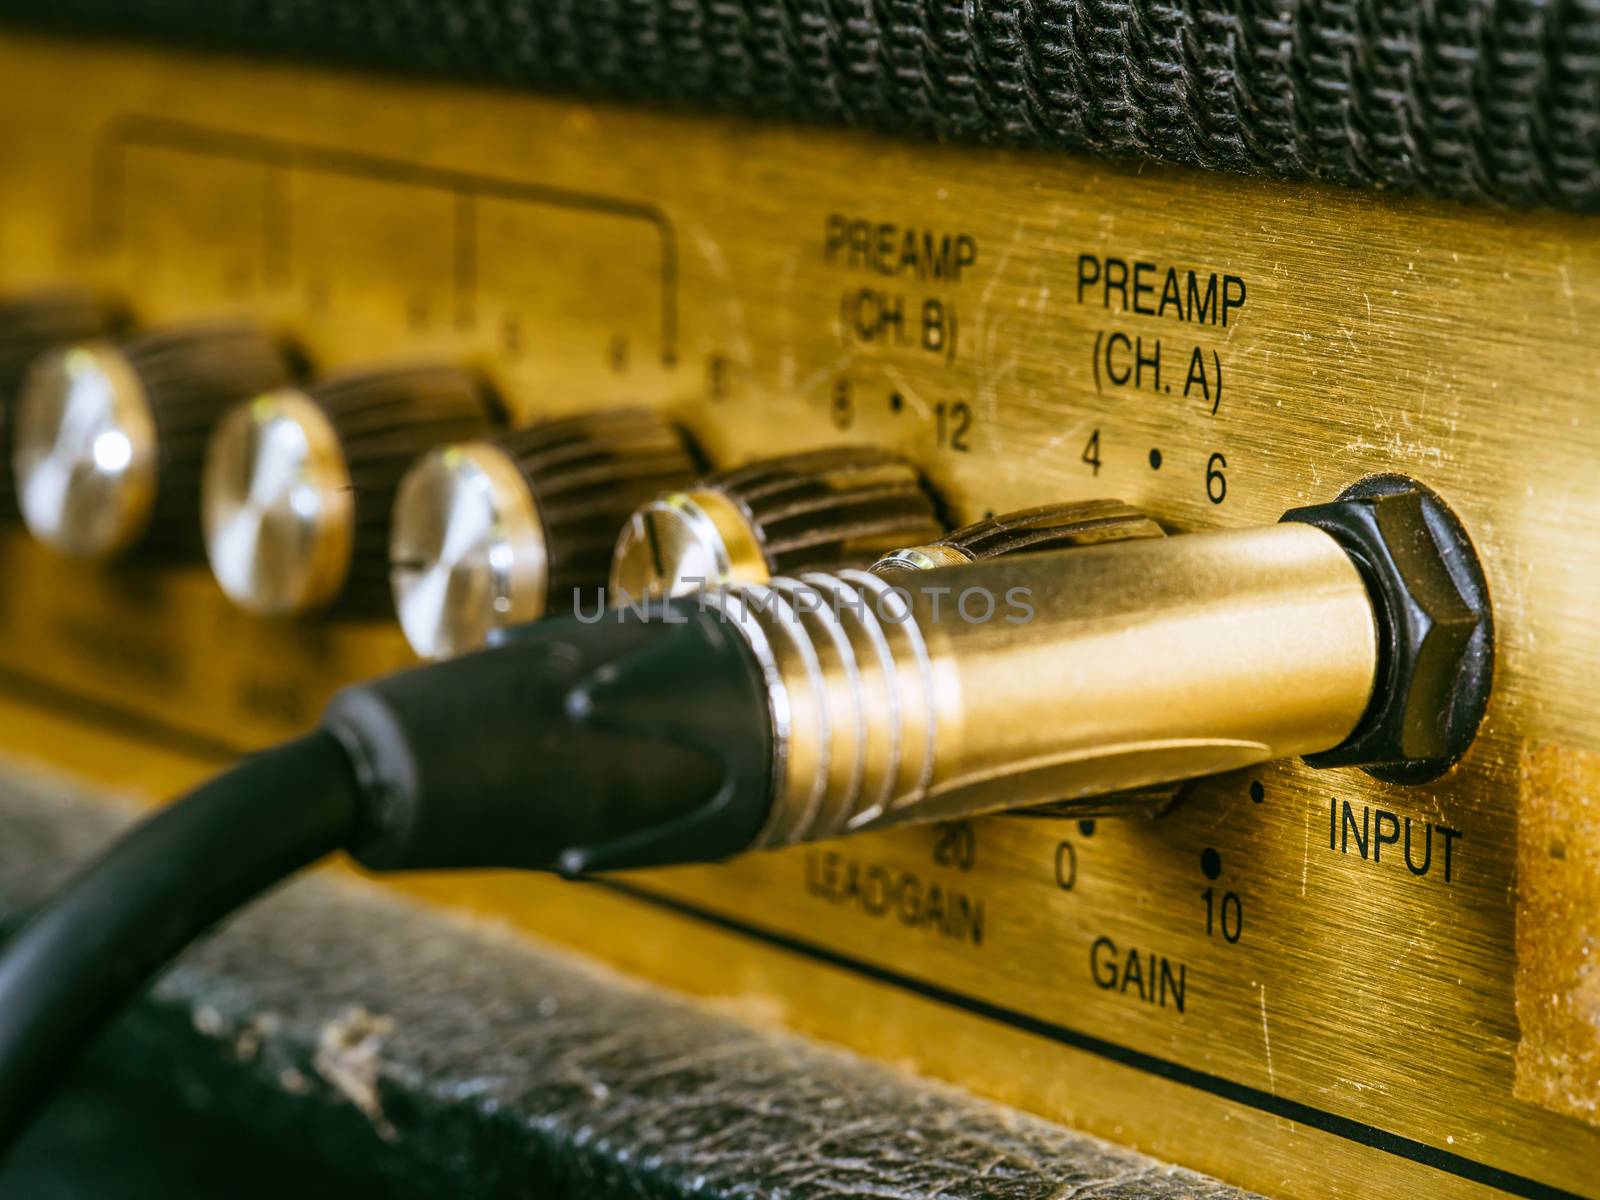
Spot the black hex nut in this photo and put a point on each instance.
(1435, 628)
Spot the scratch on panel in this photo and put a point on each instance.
(1305, 854)
(737, 342)
(992, 374)
(1566, 290)
(1266, 1037)
(920, 407)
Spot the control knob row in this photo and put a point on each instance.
(400, 486)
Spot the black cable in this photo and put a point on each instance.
(569, 747)
(97, 942)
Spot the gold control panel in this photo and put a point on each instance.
(1311, 984)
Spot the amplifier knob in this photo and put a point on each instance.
(30, 325)
(299, 483)
(776, 517)
(109, 434)
(493, 533)
(1048, 527)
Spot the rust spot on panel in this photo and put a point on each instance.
(1558, 931)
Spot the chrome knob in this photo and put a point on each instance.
(31, 324)
(493, 533)
(1048, 527)
(776, 517)
(109, 435)
(299, 483)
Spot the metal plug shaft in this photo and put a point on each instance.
(1053, 676)
(1356, 633)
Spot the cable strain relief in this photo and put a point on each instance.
(638, 739)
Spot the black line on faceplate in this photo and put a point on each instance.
(1293, 1110)
(142, 129)
(114, 717)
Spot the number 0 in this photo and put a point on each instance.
(843, 404)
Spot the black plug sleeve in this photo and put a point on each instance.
(639, 739)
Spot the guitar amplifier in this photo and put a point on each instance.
(1138, 272)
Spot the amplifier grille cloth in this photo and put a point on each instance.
(1475, 99)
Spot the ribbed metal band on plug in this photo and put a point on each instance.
(851, 689)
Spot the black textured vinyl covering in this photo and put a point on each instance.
(1473, 99)
(374, 1047)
